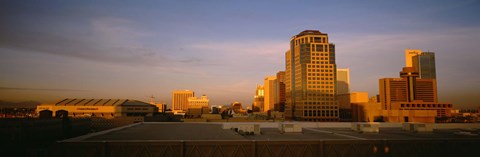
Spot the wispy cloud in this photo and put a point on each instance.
(43, 89)
(107, 40)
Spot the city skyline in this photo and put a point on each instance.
(53, 50)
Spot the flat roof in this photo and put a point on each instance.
(158, 131)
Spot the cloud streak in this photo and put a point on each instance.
(42, 89)
(109, 40)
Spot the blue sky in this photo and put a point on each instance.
(134, 49)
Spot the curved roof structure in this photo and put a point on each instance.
(98, 102)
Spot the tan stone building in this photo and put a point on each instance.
(310, 78)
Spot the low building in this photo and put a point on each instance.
(107, 108)
(194, 102)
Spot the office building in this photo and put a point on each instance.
(271, 94)
(258, 99)
(310, 78)
(180, 99)
(410, 98)
(424, 63)
(406, 89)
(281, 99)
(343, 81)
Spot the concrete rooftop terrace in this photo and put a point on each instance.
(159, 131)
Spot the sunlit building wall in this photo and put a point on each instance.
(270, 88)
(180, 99)
(358, 97)
(259, 99)
(409, 53)
(194, 102)
(310, 78)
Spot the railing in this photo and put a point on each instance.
(249, 148)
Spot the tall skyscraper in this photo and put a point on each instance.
(259, 98)
(281, 99)
(424, 63)
(180, 99)
(310, 78)
(270, 87)
(343, 81)
(409, 53)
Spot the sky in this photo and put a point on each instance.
(52, 50)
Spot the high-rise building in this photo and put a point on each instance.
(258, 101)
(310, 78)
(180, 99)
(270, 88)
(280, 106)
(424, 63)
(343, 81)
(409, 53)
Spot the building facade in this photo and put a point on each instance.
(424, 63)
(180, 99)
(343, 81)
(270, 85)
(106, 108)
(259, 99)
(281, 99)
(410, 98)
(194, 102)
(310, 78)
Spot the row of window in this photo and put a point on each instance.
(426, 105)
(321, 99)
(321, 119)
(323, 103)
(320, 107)
(320, 62)
(318, 74)
(320, 66)
(320, 86)
(320, 58)
(319, 82)
(319, 54)
(319, 70)
(320, 94)
(322, 113)
(310, 40)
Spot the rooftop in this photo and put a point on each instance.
(316, 139)
(270, 131)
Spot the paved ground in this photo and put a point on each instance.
(209, 131)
